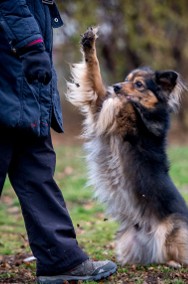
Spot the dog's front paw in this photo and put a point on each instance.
(89, 38)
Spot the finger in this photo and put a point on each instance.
(48, 78)
(44, 77)
(41, 75)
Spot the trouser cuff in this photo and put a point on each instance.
(72, 258)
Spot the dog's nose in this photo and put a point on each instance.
(117, 88)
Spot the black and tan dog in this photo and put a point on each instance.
(125, 127)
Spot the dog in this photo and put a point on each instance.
(125, 130)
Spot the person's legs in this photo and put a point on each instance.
(51, 234)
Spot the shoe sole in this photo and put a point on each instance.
(58, 279)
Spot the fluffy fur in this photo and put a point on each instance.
(125, 129)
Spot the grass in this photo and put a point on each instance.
(94, 232)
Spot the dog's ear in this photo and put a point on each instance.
(166, 79)
(172, 85)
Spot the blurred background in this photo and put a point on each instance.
(132, 33)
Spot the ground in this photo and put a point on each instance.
(17, 272)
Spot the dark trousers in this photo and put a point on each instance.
(30, 162)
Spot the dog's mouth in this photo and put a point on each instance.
(127, 97)
(131, 98)
(118, 90)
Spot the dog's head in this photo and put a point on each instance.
(150, 88)
(153, 94)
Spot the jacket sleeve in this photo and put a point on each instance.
(19, 25)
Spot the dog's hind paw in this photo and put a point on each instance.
(173, 264)
(88, 38)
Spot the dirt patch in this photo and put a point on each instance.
(13, 269)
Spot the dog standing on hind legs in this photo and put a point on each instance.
(125, 129)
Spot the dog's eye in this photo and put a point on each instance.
(139, 85)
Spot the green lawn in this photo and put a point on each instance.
(94, 232)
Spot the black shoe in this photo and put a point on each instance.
(88, 270)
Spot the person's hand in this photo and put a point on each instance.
(36, 65)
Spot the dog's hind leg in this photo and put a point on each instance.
(177, 244)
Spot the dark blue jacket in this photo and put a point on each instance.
(35, 107)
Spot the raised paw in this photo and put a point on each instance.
(88, 39)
